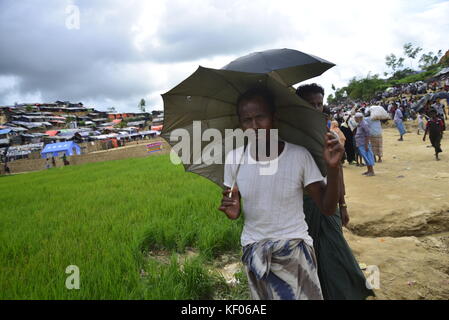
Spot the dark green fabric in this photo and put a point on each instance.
(338, 270)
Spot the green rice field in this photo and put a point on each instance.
(107, 219)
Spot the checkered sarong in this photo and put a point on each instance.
(282, 270)
(377, 145)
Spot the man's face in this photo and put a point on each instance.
(255, 114)
(316, 100)
(358, 119)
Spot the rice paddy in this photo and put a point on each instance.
(106, 218)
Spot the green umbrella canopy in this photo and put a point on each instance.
(210, 96)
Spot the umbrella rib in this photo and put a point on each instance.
(203, 96)
(298, 128)
(229, 82)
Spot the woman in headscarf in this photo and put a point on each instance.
(335, 128)
(349, 142)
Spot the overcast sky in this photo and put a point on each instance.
(127, 50)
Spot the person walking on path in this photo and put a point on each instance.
(435, 129)
(338, 270)
(278, 253)
(421, 126)
(349, 143)
(363, 145)
(375, 137)
(398, 120)
(65, 161)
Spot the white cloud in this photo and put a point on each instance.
(127, 50)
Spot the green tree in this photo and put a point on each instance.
(123, 124)
(69, 119)
(393, 62)
(429, 59)
(141, 105)
(411, 52)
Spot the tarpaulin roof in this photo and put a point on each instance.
(5, 131)
(67, 147)
(52, 132)
(443, 71)
(157, 128)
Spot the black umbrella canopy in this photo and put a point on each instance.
(440, 95)
(417, 106)
(285, 65)
(210, 95)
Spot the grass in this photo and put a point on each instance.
(104, 218)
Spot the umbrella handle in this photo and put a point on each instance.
(237, 172)
(230, 191)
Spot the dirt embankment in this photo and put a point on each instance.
(400, 218)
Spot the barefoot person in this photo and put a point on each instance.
(363, 145)
(278, 252)
(375, 137)
(398, 120)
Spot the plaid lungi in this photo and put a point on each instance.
(377, 145)
(282, 270)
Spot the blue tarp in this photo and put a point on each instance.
(5, 131)
(53, 149)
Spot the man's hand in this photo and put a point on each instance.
(231, 206)
(424, 138)
(333, 151)
(344, 216)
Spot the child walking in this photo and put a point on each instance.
(421, 126)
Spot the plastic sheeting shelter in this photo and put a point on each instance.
(54, 149)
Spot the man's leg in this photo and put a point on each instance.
(258, 289)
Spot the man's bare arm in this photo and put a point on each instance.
(231, 206)
(325, 196)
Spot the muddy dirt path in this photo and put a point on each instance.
(400, 218)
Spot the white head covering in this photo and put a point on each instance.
(359, 115)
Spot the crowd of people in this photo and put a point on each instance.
(415, 88)
(363, 135)
(292, 240)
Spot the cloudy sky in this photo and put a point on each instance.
(122, 51)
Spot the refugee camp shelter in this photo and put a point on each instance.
(55, 149)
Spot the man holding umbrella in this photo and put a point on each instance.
(277, 249)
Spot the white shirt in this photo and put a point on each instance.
(273, 204)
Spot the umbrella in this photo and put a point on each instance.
(209, 96)
(440, 95)
(285, 65)
(422, 102)
(428, 98)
